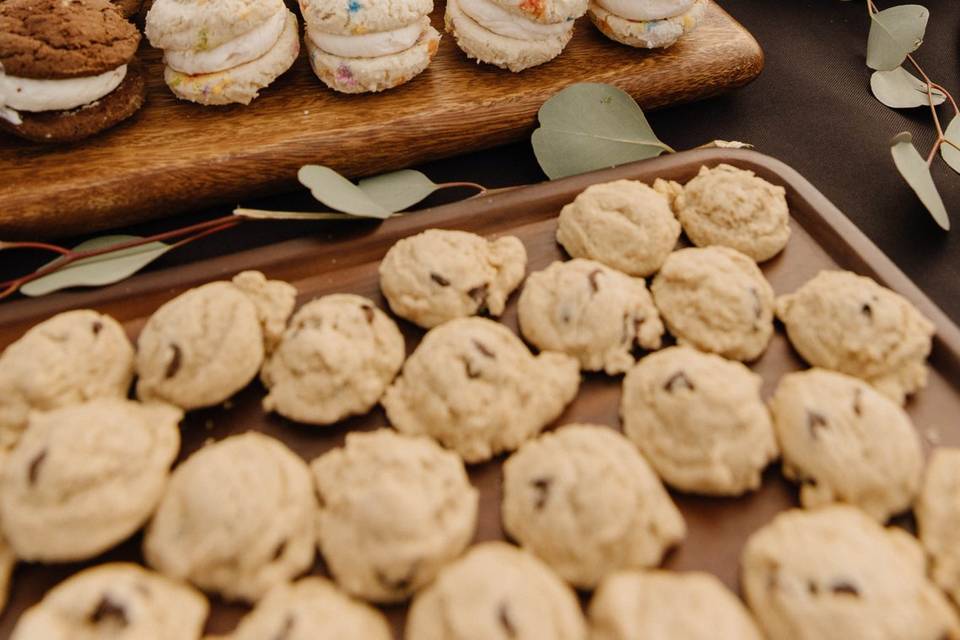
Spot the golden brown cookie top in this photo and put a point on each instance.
(64, 38)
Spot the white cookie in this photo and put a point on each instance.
(589, 311)
(646, 34)
(586, 502)
(274, 300)
(393, 510)
(84, 477)
(474, 386)
(237, 518)
(699, 420)
(439, 275)
(335, 360)
(938, 519)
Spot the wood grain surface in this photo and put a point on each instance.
(346, 260)
(175, 156)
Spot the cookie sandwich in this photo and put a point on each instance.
(222, 51)
(358, 46)
(513, 34)
(646, 24)
(67, 69)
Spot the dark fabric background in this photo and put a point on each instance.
(811, 108)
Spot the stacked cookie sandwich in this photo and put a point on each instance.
(358, 46)
(647, 24)
(223, 51)
(67, 68)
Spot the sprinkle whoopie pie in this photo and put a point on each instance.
(67, 68)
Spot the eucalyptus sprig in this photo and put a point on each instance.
(895, 34)
(109, 259)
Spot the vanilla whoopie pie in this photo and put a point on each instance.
(67, 68)
(646, 24)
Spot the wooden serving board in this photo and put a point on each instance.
(346, 260)
(175, 156)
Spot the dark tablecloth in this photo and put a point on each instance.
(811, 108)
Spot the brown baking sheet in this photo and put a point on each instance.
(345, 258)
(174, 156)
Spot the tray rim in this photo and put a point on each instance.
(870, 259)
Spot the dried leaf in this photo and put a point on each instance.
(398, 190)
(916, 172)
(97, 271)
(950, 153)
(895, 33)
(338, 193)
(590, 126)
(899, 89)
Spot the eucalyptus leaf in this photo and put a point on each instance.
(97, 271)
(950, 153)
(590, 126)
(916, 172)
(895, 33)
(335, 191)
(899, 89)
(398, 190)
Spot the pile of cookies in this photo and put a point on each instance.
(68, 68)
(393, 512)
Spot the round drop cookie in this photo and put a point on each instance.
(662, 605)
(439, 275)
(393, 510)
(513, 34)
(200, 348)
(474, 386)
(834, 574)
(116, 600)
(237, 518)
(85, 477)
(700, 421)
(496, 591)
(586, 502)
(224, 52)
(845, 442)
(274, 301)
(717, 300)
(68, 69)
(359, 47)
(590, 311)
(335, 360)
(849, 323)
(70, 358)
(938, 519)
(625, 225)
(646, 24)
(735, 208)
(310, 609)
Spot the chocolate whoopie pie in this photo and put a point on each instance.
(67, 68)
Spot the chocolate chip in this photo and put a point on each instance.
(857, 401)
(542, 485)
(472, 372)
(107, 609)
(96, 327)
(815, 421)
(287, 627)
(593, 280)
(813, 588)
(367, 312)
(677, 380)
(757, 305)
(33, 471)
(174, 365)
(867, 310)
(279, 551)
(484, 349)
(503, 615)
(843, 587)
(439, 279)
(479, 294)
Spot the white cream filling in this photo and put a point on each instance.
(32, 94)
(367, 45)
(646, 10)
(495, 18)
(242, 49)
